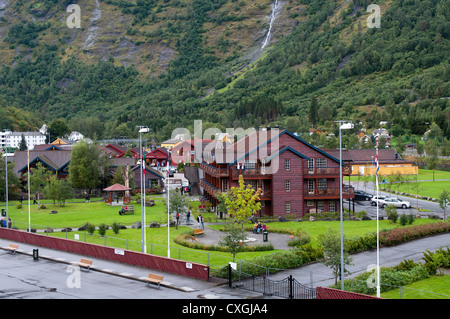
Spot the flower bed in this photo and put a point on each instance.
(400, 235)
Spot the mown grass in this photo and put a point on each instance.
(436, 287)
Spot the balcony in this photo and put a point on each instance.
(214, 171)
(208, 187)
(251, 173)
(326, 171)
(324, 193)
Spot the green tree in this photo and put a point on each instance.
(58, 190)
(234, 238)
(23, 144)
(243, 201)
(58, 128)
(38, 180)
(87, 166)
(331, 243)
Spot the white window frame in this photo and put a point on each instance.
(321, 162)
(287, 185)
(287, 165)
(331, 205)
(287, 207)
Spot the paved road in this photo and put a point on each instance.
(433, 207)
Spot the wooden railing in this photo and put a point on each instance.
(328, 192)
(346, 170)
(214, 171)
(260, 172)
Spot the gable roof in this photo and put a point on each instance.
(54, 159)
(266, 136)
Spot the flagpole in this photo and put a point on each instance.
(145, 178)
(168, 208)
(29, 193)
(378, 230)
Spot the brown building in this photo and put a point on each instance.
(294, 176)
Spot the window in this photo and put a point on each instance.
(311, 165)
(311, 184)
(321, 205)
(310, 203)
(287, 165)
(331, 206)
(287, 186)
(322, 183)
(321, 162)
(225, 185)
(288, 207)
(250, 164)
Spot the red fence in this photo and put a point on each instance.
(329, 293)
(175, 266)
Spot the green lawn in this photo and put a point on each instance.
(436, 287)
(157, 245)
(351, 229)
(75, 215)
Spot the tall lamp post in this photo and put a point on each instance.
(142, 129)
(343, 125)
(7, 132)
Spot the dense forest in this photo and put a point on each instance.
(331, 66)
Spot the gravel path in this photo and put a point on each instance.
(212, 236)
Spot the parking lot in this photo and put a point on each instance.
(429, 208)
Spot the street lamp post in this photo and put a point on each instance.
(142, 129)
(6, 172)
(343, 125)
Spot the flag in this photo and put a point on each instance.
(376, 164)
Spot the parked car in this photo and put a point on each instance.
(360, 195)
(394, 201)
(376, 199)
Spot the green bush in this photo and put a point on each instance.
(90, 228)
(102, 229)
(115, 227)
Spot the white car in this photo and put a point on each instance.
(394, 201)
(376, 199)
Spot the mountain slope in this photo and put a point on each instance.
(185, 50)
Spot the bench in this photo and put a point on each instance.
(129, 209)
(156, 279)
(84, 263)
(201, 206)
(13, 248)
(198, 231)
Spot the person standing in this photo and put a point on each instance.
(188, 216)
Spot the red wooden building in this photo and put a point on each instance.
(295, 177)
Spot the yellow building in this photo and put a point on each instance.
(362, 162)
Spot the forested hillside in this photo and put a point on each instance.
(323, 64)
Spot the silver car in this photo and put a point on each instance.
(376, 199)
(394, 201)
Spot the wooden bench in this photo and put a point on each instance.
(201, 206)
(129, 209)
(198, 231)
(84, 263)
(156, 279)
(13, 248)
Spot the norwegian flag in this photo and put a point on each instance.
(377, 164)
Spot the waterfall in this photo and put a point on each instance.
(275, 9)
(92, 33)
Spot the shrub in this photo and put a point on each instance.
(102, 229)
(90, 228)
(115, 227)
(391, 213)
(396, 236)
(403, 220)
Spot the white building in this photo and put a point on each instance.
(13, 139)
(75, 136)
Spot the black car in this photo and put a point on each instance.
(360, 195)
